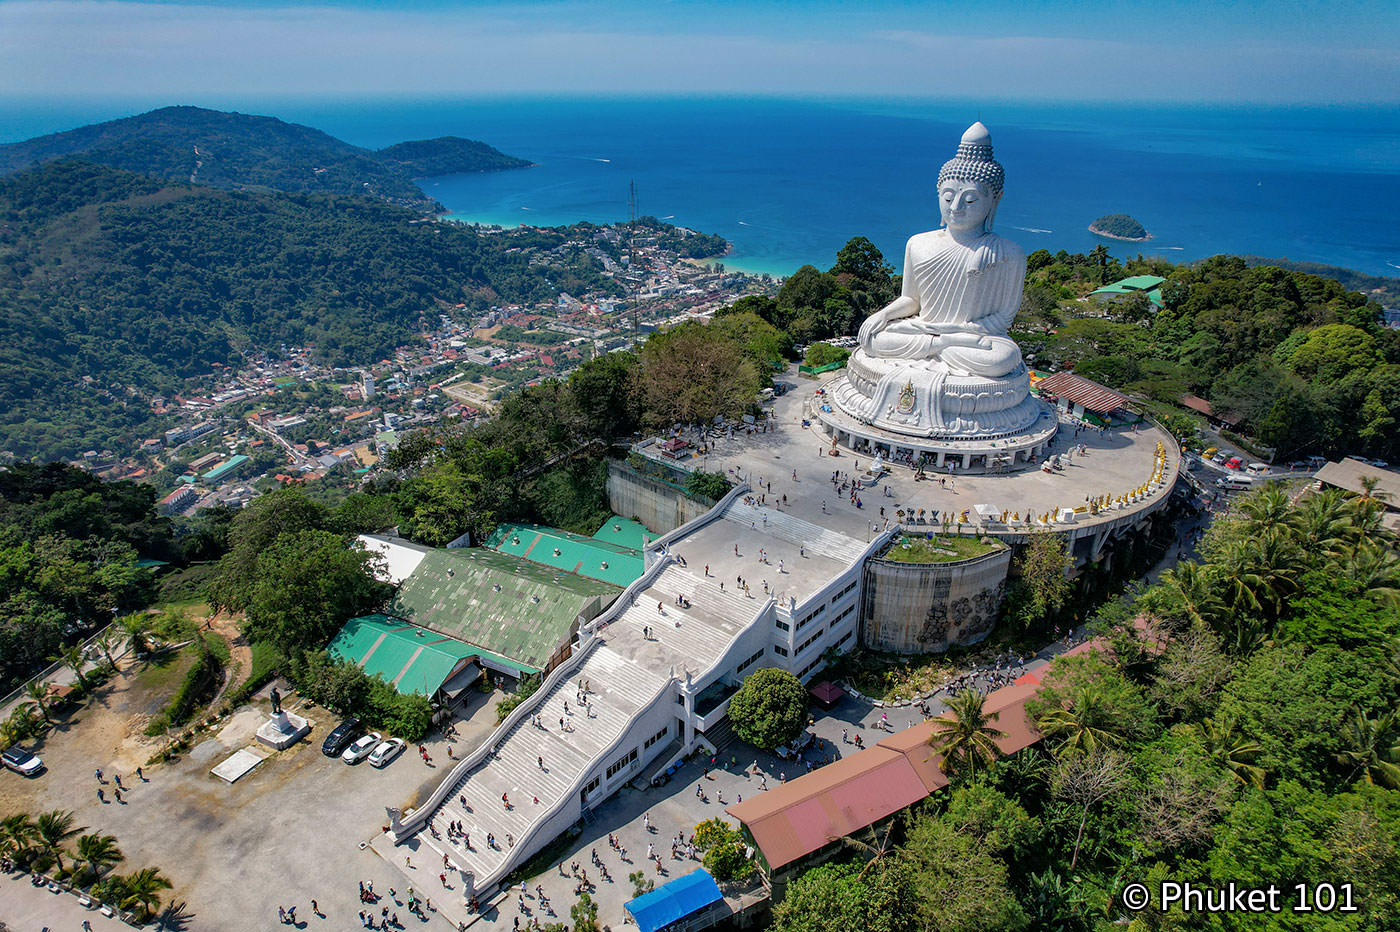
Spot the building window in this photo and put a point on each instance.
(809, 642)
(750, 662)
(656, 737)
(812, 617)
(780, 651)
(592, 785)
(782, 625)
(622, 763)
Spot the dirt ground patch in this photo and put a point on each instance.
(289, 830)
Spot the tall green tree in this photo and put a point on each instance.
(306, 585)
(52, 829)
(1372, 747)
(769, 709)
(966, 737)
(98, 854)
(142, 890)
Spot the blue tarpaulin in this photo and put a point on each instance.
(675, 900)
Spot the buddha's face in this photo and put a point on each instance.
(965, 205)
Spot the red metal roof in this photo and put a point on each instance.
(814, 810)
(808, 813)
(1093, 396)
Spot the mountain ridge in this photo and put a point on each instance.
(238, 151)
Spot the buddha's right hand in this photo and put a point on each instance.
(873, 325)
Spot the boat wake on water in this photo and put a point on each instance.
(1032, 230)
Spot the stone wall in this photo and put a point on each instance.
(926, 607)
(659, 505)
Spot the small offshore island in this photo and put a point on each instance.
(1121, 227)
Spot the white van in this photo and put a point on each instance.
(1236, 482)
(1257, 469)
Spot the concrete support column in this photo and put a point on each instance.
(689, 697)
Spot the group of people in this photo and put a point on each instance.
(117, 786)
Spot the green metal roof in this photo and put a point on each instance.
(1149, 284)
(226, 467)
(626, 532)
(514, 608)
(596, 558)
(412, 659)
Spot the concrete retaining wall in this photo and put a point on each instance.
(659, 506)
(924, 607)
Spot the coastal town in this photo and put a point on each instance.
(284, 419)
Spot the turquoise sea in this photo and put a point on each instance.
(789, 181)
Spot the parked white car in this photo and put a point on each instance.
(385, 752)
(361, 748)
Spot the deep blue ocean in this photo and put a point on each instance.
(788, 182)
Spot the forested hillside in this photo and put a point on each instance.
(1295, 359)
(237, 151)
(112, 282)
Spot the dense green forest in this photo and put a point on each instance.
(69, 545)
(113, 283)
(1297, 360)
(239, 151)
(1250, 735)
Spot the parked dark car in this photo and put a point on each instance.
(21, 761)
(341, 736)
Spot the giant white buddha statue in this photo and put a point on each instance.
(936, 361)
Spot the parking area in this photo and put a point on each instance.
(291, 831)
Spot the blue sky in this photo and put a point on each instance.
(1167, 50)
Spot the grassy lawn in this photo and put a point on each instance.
(159, 679)
(265, 659)
(939, 550)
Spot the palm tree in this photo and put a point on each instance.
(39, 692)
(100, 853)
(967, 739)
(1368, 497)
(1230, 749)
(106, 641)
(1257, 572)
(1266, 509)
(72, 658)
(1099, 254)
(143, 889)
(1320, 522)
(16, 834)
(1375, 567)
(136, 626)
(1192, 586)
(1373, 747)
(13, 730)
(1085, 724)
(52, 829)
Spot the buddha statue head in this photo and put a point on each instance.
(970, 184)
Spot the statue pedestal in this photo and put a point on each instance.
(1014, 449)
(282, 730)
